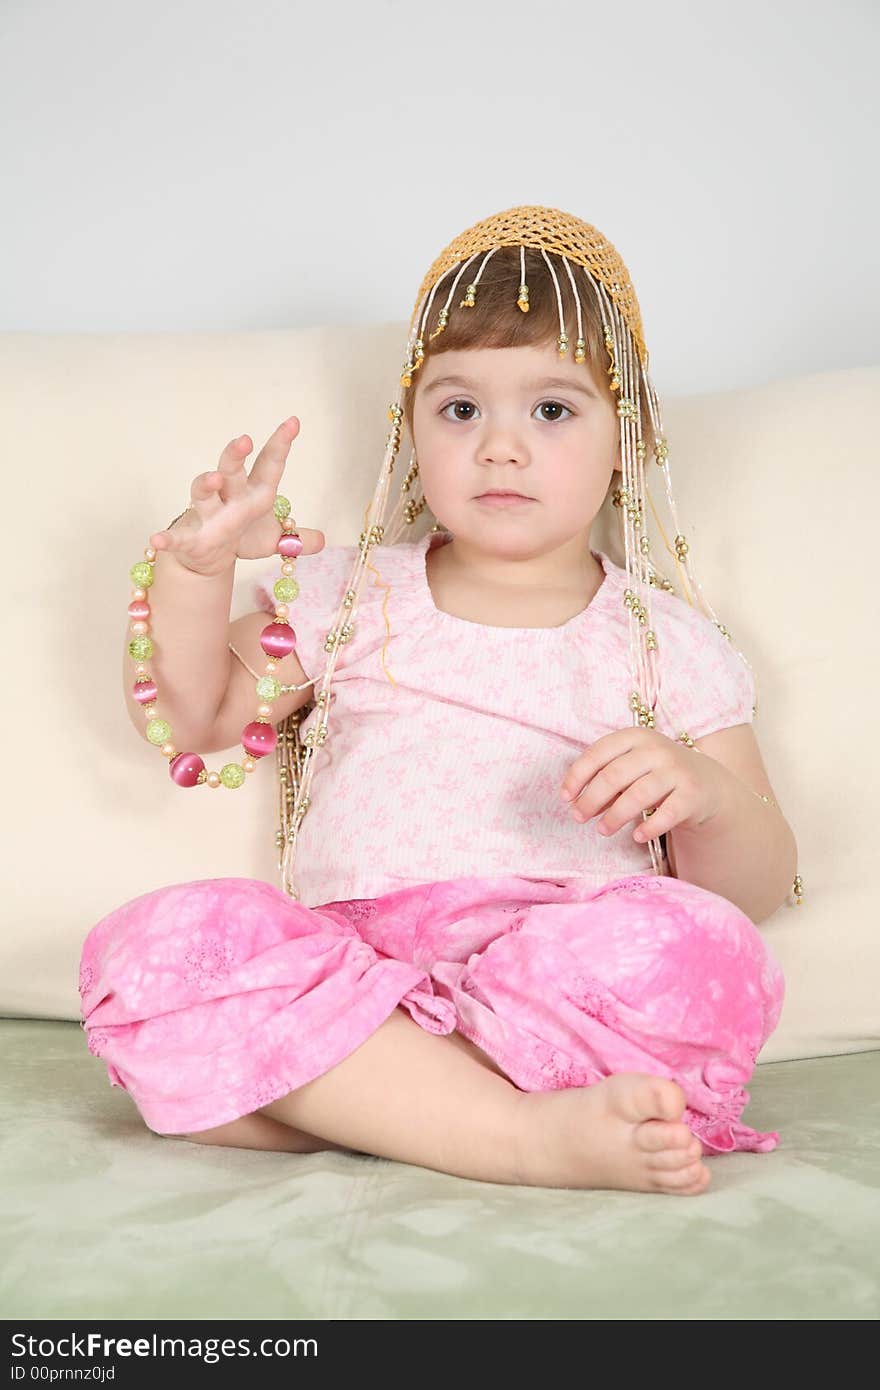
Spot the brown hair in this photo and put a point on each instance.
(496, 321)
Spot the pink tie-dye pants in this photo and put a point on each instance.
(209, 999)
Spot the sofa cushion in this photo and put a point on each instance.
(103, 434)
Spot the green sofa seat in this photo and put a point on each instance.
(105, 1219)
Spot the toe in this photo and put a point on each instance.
(689, 1176)
(700, 1185)
(671, 1098)
(670, 1159)
(639, 1096)
(654, 1135)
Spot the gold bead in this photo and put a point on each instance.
(442, 320)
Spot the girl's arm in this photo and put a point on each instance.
(747, 852)
(189, 623)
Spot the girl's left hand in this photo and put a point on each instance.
(631, 770)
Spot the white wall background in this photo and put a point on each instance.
(204, 165)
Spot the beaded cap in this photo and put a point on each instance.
(547, 229)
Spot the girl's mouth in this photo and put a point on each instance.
(498, 499)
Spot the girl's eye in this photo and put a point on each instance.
(557, 405)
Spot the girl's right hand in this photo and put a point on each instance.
(232, 514)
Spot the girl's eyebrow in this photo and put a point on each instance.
(563, 383)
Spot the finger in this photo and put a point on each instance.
(648, 791)
(664, 819)
(593, 759)
(647, 794)
(601, 791)
(204, 487)
(172, 537)
(270, 461)
(653, 747)
(229, 481)
(231, 469)
(608, 782)
(268, 468)
(637, 794)
(204, 501)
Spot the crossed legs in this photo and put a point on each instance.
(436, 1101)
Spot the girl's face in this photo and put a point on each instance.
(500, 425)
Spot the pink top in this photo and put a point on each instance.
(456, 769)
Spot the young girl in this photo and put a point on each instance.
(493, 964)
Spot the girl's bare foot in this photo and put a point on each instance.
(623, 1132)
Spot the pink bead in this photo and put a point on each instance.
(258, 739)
(144, 691)
(278, 639)
(289, 546)
(185, 769)
(138, 608)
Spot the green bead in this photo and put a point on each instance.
(142, 574)
(285, 590)
(268, 688)
(158, 731)
(141, 648)
(281, 507)
(231, 775)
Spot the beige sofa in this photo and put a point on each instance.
(102, 436)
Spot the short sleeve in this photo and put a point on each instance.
(322, 580)
(704, 683)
